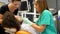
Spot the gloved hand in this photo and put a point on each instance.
(26, 20)
(36, 19)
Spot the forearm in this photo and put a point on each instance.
(38, 28)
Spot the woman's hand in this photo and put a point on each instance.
(26, 20)
(36, 19)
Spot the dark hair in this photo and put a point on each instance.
(10, 21)
(42, 5)
(15, 0)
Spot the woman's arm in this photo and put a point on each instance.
(39, 28)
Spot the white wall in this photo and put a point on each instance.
(6, 1)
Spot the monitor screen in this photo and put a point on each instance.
(23, 6)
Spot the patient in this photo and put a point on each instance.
(10, 23)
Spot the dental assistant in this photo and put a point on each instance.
(45, 23)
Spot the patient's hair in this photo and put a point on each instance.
(10, 21)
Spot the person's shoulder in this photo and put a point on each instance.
(47, 12)
(4, 6)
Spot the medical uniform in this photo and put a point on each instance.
(46, 18)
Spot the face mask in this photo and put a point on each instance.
(10, 31)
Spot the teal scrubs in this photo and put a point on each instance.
(46, 18)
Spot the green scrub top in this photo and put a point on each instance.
(46, 18)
